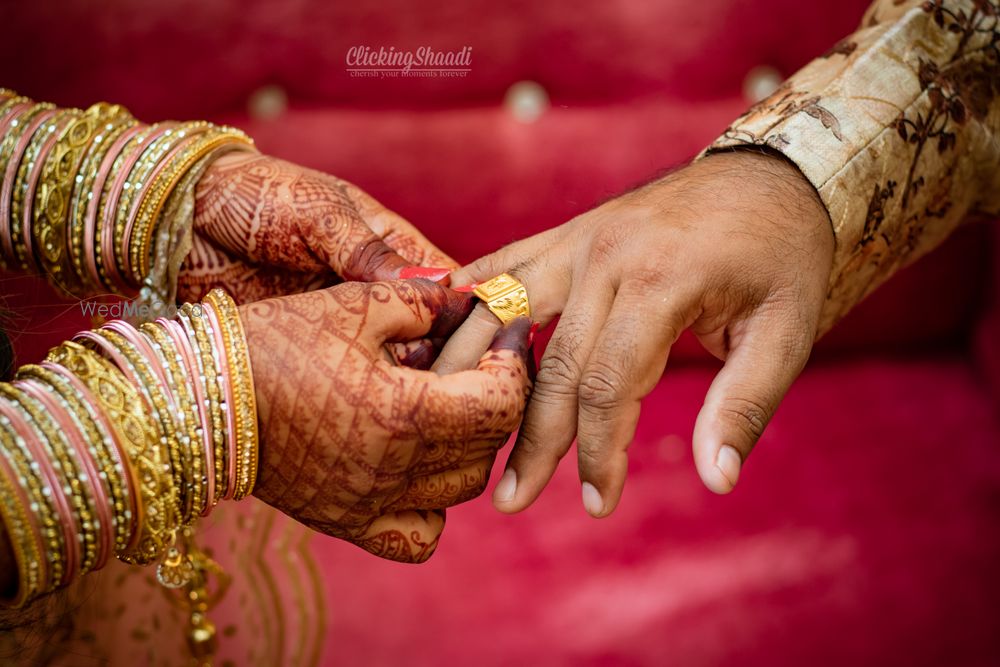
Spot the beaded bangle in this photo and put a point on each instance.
(41, 503)
(33, 163)
(59, 173)
(192, 476)
(241, 377)
(110, 452)
(192, 318)
(87, 508)
(156, 520)
(192, 365)
(85, 194)
(107, 264)
(12, 151)
(66, 557)
(149, 212)
(25, 537)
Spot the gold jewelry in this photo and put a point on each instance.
(149, 210)
(143, 444)
(505, 296)
(116, 124)
(14, 513)
(55, 193)
(244, 397)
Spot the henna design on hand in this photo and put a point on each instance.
(351, 444)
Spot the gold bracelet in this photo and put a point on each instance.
(14, 512)
(192, 476)
(57, 448)
(149, 210)
(51, 524)
(190, 316)
(55, 192)
(142, 440)
(83, 194)
(241, 377)
(25, 122)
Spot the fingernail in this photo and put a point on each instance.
(466, 288)
(434, 273)
(531, 333)
(592, 501)
(504, 493)
(728, 462)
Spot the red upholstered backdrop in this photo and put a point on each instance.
(864, 530)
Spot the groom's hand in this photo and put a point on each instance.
(736, 247)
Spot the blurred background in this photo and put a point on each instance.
(864, 529)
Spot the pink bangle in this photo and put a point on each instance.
(29, 194)
(216, 332)
(76, 440)
(55, 490)
(90, 227)
(139, 342)
(177, 334)
(36, 530)
(162, 164)
(7, 237)
(116, 450)
(111, 206)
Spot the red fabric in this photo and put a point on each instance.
(864, 527)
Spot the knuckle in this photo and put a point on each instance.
(557, 372)
(748, 415)
(601, 388)
(607, 243)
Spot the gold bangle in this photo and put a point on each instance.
(505, 296)
(25, 122)
(142, 441)
(149, 210)
(51, 524)
(193, 478)
(55, 193)
(114, 126)
(241, 377)
(189, 317)
(27, 546)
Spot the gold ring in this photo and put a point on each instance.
(505, 296)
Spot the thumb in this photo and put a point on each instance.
(404, 310)
(765, 359)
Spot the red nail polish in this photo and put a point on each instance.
(466, 288)
(531, 333)
(429, 272)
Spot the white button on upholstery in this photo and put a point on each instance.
(267, 103)
(760, 82)
(526, 101)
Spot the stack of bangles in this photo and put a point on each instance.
(83, 191)
(121, 438)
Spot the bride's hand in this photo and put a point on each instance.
(359, 448)
(264, 227)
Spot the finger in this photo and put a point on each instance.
(625, 365)
(551, 417)
(445, 489)
(398, 233)
(546, 278)
(464, 348)
(419, 354)
(404, 310)
(407, 537)
(467, 416)
(507, 257)
(766, 357)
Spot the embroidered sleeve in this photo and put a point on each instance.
(898, 129)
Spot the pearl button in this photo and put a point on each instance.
(526, 101)
(760, 82)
